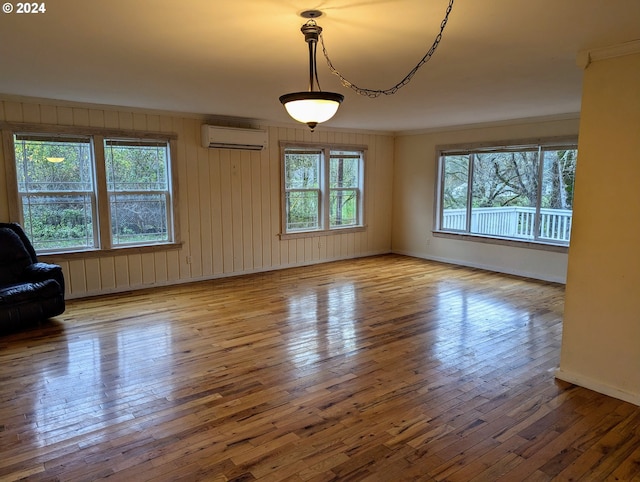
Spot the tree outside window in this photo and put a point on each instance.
(322, 189)
(139, 191)
(78, 193)
(344, 181)
(523, 193)
(56, 191)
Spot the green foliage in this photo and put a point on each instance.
(57, 196)
(58, 222)
(456, 179)
(510, 179)
(302, 182)
(136, 167)
(343, 174)
(36, 173)
(302, 170)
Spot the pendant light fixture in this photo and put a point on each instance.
(313, 106)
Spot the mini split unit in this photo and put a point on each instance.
(233, 138)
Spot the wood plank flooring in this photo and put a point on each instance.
(386, 368)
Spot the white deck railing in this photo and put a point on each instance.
(511, 222)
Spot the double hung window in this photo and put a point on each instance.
(520, 192)
(93, 192)
(139, 191)
(322, 189)
(56, 191)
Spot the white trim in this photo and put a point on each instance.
(586, 57)
(486, 267)
(597, 386)
(489, 124)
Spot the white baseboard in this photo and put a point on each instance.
(597, 386)
(496, 269)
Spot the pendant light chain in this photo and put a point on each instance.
(376, 93)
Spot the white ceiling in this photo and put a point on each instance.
(498, 60)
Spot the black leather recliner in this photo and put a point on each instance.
(30, 291)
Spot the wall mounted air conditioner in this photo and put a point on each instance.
(233, 138)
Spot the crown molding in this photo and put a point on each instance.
(571, 116)
(585, 57)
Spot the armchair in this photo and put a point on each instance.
(29, 290)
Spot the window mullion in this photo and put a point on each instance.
(536, 219)
(469, 193)
(167, 203)
(325, 193)
(321, 209)
(102, 208)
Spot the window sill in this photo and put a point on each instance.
(98, 253)
(322, 232)
(556, 248)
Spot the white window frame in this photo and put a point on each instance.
(324, 190)
(165, 193)
(101, 216)
(465, 232)
(89, 193)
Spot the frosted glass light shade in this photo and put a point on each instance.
(312, 108)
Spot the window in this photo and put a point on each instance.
(522, 192)
(56, 188)
(138, 187)
(322, 189)
(91, 192)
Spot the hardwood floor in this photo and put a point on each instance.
(382, 368)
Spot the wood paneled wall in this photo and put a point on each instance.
(229, 202)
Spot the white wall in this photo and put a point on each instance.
(229, 202)
(414, 196)
(601, 329)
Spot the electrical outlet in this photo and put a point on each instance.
(188, 259)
